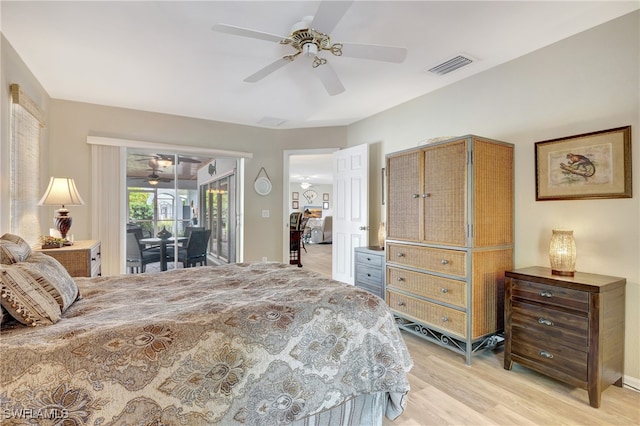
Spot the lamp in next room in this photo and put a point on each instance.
(562, 252)
(62, 192)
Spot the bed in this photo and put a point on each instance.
(247, 343)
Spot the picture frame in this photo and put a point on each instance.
(325, 205)
(325, 196)
(295, 205)
(314, 211)
(295, 196)
(586, 166)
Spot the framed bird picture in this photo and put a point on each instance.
(586, 166)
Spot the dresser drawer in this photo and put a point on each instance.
(96, 261)
(551, 325)
(550, 295)
(429, 286)
(552, 357)
(441, 317)
(369, 259)
(452, 262)
(366, 274)
(372, 288)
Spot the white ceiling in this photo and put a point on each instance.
(315, 169)
(163, 56)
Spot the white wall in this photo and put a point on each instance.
(586, 83)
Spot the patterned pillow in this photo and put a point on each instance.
(58, 283)
(13, 249)
(4, 315)
(23, 295)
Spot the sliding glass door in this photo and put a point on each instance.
(163, 197)
(219, 213)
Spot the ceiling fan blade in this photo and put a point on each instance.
(245, 32)
(188, 160)
(329, 14)
(329, 79)
(267, 70)
(374, 52)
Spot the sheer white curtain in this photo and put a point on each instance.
(24, 172)
(108, 206)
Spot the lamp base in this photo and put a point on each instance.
(563, 273)
(63, 222)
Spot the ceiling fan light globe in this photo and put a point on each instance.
(310, 50)
(303, 24)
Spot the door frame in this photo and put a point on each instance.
(109, 217)
(287, 190)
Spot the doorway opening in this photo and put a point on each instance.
(308, 183)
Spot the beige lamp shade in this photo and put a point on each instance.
(62, 192)
(562, 252)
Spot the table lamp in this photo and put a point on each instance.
(62, 191)
(562, 252)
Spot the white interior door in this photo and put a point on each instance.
(351, 212)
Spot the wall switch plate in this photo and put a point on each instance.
(265, 213)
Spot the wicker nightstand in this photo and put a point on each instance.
(82, 259)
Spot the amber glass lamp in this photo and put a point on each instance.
(62, 192)
(562, 252)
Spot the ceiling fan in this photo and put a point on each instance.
(154, 178)
(164, 160)
(308, 40)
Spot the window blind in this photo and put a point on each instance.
(24, 172)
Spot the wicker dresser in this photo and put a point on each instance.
(82, 259)
(450, 240)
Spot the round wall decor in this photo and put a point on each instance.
(262, 184)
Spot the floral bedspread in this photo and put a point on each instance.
(252, 343)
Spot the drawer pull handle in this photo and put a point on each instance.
(415, 195)
(545, 354)
(427, 195)
(400, 254)
(444, 319)
(546, 293)
(545, 321)
(401, 303)
(93, 259)
(444, 261)
(445, 290)
(400, 279)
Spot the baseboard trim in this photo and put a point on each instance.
(632, 383)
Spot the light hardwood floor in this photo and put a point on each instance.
(445, 391)
(317, 258)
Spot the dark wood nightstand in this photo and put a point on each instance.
(569, 328)
(82, 259)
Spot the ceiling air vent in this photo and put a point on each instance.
(451, 65)
(271, 121)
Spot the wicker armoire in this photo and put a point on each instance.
(450, 240)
